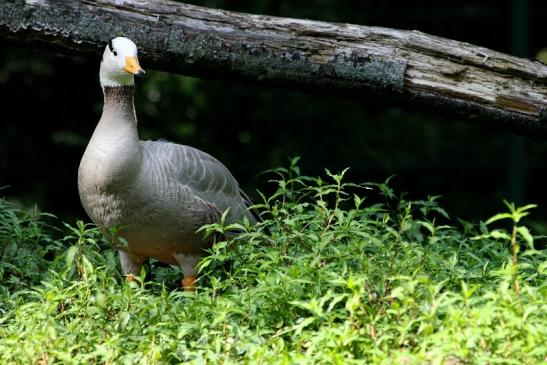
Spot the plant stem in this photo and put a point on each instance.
(515, 258)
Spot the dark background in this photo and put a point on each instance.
(50, 105)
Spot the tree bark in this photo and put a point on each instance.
(404, 67)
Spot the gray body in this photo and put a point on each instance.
(155, 194)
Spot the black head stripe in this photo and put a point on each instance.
(110, 46)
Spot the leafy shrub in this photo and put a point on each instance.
(26, 241)
(336, 273)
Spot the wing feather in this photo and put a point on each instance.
(206, 177)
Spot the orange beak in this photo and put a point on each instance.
(132, 66)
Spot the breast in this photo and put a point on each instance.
(103, 185)
(106, 209)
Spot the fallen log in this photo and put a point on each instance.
(394, 66)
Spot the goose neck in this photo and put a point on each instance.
(119, 99)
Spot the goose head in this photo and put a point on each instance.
(120, 63)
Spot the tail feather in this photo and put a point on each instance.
(249, 204)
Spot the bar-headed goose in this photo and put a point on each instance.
(155, 194)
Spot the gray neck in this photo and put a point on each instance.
(115, 147)
(119, 100)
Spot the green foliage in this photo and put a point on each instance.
(337, 273)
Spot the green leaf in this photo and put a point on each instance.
(525, 233)
(70, 255)
(499, 235)
(428, 226)
(498, 217)
(527, 207)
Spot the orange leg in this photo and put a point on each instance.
(189, 283)
(130, 277)
(131, 264)
(187, 263)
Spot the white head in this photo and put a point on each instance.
(119, 63)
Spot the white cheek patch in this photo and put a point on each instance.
(124, 47)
